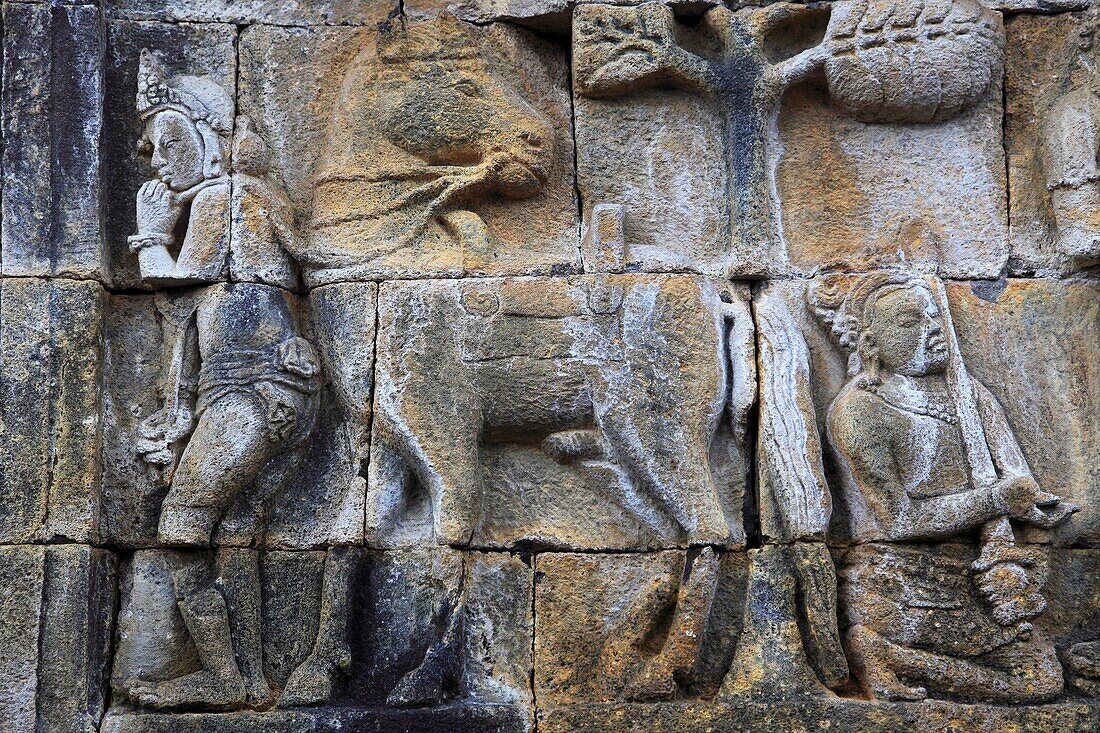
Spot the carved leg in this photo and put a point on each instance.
(219, 684)
(224, 456)
(660, 408)
(869, 655)
(239, 576)
(817, 603)
(1017, 673)
(674, 666)
(312, 681)
(245, 523)
(441, 445)
(441, 670)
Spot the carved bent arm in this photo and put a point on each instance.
(1006, 453)
(181, 360)
(873, 460)
(947, 516)
(1048, 510)
(797, 68)
(205, 248)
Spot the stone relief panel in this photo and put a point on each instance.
(187, 49)
(238, 384)
(907, 447)
(484, 187)
(1052, 143)
(775, 102)
(364, 421)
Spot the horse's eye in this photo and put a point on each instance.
(467, 87)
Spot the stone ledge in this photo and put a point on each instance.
(834, 715)
(472, 718)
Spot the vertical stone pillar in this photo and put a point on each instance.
(51, 351)
(52, 105)
(56, 616)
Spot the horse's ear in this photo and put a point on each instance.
(392, 38)
(394, 25)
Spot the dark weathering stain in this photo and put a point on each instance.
(988, 290)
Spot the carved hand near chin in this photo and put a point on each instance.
(1023, 500)
(157, 211)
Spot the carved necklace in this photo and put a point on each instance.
(931, 406)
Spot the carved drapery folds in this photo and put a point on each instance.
(589, 367)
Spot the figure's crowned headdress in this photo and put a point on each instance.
(845, 304)
(199, 98)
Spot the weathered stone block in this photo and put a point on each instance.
(552, 15)
(851, 192)
(289, 83)
(186, 48)
(57, 609)
(631, 152)
(51, 334)
(353, 129)
(52, 105)
(644, 626)
(1033, 343)
(1073, 613)
(403, 629)
(301, 12)
(851, 716)
(1051, 138)
(465, 718)
(596, 411)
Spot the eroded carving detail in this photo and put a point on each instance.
(1071, 137)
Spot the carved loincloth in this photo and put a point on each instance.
(281, 379)
(920, 596)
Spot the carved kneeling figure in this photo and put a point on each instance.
(925, 455)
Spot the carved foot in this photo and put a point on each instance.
(654, 683)
(198, 690)
(869, 654)
(312, 681)
(420, 687)
(1082, 661)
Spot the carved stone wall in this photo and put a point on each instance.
(549, 365)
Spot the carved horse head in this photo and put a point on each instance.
(422, 129)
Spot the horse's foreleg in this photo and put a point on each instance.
(437, 433)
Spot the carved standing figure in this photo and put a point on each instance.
(240, 383)
(1071, 139)
(925, 455)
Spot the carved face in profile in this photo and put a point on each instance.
(905, 332)
(178, 149)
